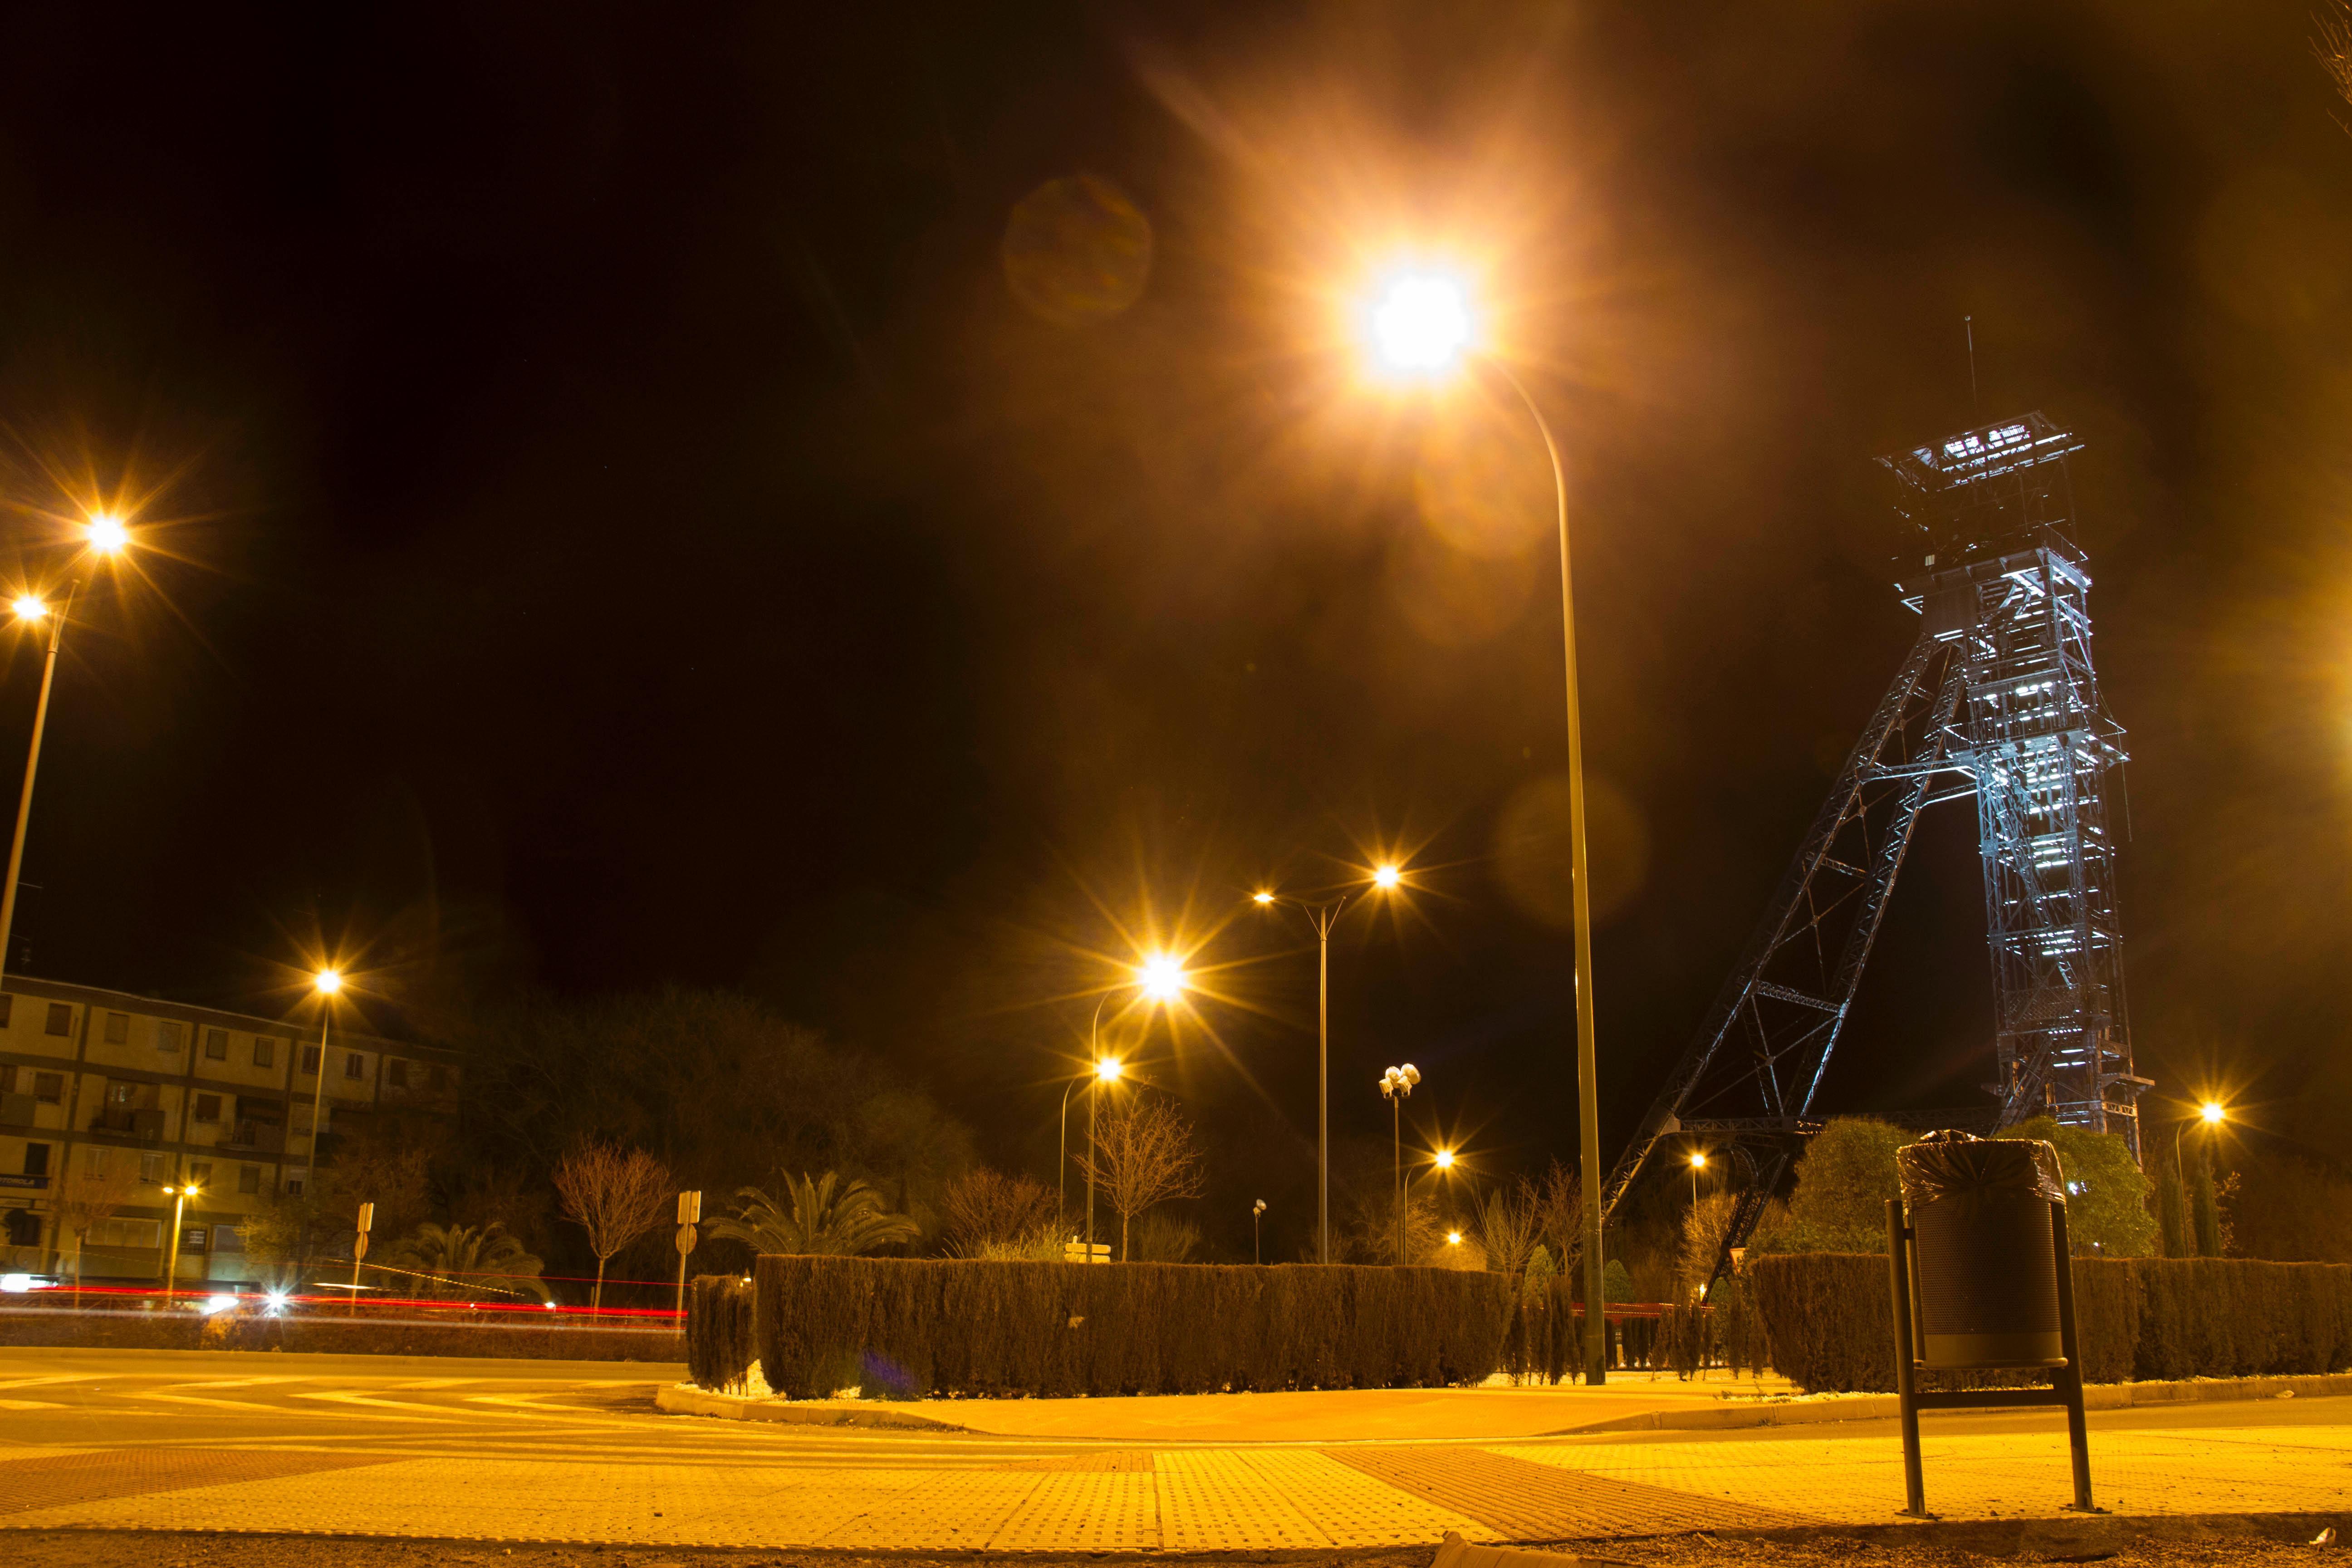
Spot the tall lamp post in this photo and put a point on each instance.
(329, 985)
(1322, 917)
(1161, 978)
(2211, 1114)
(1258, 1211)
(1442, 1162)
(180, 1193)
(1396, 1088)
(106, 537)
(1698, 1164)
(1421, 326)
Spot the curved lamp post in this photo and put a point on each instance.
(1396, 1088)
(1421, 326)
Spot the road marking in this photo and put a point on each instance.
(35, 1382)
(245, 1382)
(31, 1404)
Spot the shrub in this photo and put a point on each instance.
(904, 1329)
(719, 1342)
(1829, 1321)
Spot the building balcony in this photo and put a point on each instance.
(146, 1126)
(255, 1138)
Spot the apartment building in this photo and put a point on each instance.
(94, 1082)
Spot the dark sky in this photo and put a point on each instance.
(614, 522)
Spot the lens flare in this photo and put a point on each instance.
(1421, 323)
(1108, 1069)
(328, 981)
(1162, 977)
(28, 608)
(1386, 876)
(106, 535)
(2213, 1111)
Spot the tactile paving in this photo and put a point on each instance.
(1522, 1501)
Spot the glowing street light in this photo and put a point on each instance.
(1445, 1160)
(1452, 1238)
(107, 537)
(2213, 1112)
(1322, 917)
(1698, 1164)
(1108, 1070)
(327, 984)
(1422, 323)
(179, 1194)
(2210, 1115)
(1162, 977)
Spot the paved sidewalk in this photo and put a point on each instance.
(527, 1469)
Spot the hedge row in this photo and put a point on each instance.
(904, 1329)
(721, 1340)
(1830, 1326)
(336, 1336)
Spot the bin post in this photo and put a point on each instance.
(2069, 1376)
(1906, 1375)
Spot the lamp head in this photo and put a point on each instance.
(1444, 1159)
(2213, 1112)
(29, 608)
(107, 535)
(1261, 900)
(1162, 977)
(1386, 875)
(1258, 1207)
(1452, 1238)
(1421, 323)
(327, 982)
(1698, 1160)
(1108, 1069)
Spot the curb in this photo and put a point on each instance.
(1885, 1407)
(680, 1399)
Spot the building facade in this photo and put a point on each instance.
(103, 1088)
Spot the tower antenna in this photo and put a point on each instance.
(1968, 324)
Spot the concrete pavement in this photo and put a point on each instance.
(534, 1452)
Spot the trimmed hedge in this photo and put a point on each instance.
(904, 1329)
(721, 1339)
(1830, 1325)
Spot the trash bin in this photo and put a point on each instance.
(1986, 1290)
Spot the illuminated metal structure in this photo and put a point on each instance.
(1998, 702)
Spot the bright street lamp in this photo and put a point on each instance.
(1162, 977)
(1422, 323)
(1698, 1164)
(179, 1195)
(328, 983)
(1322, 917)
(2213, 1112)
(107, 535)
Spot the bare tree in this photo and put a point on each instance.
(2334, 46)
(988, 1208)
(616, 1194)
(1704, 1227)
(88, 1198)
(1510, 1226)
(1142, 1155)
(1560, 1215)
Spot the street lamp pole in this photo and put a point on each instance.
(1396, 1088)
(1588, 1096)
(180, 1193)
(29, 608)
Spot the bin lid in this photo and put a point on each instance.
(1945, 1165)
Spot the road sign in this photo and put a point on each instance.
(367, 1218)
(1075, 1252)
(689, 1208)
(686, 1239)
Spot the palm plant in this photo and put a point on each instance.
(449, 1256)
(822, 1217)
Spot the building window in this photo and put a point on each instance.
(60, 1018)
(200, 1173)
(293, 1186)
(354, 1064)
(36, 1159)
(7, 1006)
(440, 1077)
(8, 1078)
(121, 1235)
(216, 1045)
(93, 1160)
(265, 1051)
(395, 1072)
(208, 1107)
(309, 1059)
(248, 1178)
(117, 1029)
(167, 1035)
(193, 1237)
(50, 1087)
(150, 1167)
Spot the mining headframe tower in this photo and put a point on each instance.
(1998, 703)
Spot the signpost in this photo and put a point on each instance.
(1078, 1252)
(690, 1210)
(358, 1250)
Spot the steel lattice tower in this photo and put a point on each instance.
(1998, 700)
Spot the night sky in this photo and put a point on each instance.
(627, 503)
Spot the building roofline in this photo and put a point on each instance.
(218, 1017)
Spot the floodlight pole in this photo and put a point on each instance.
(1094, 1093)
(1587, 1087)
(1323, 920)
(32, 766)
